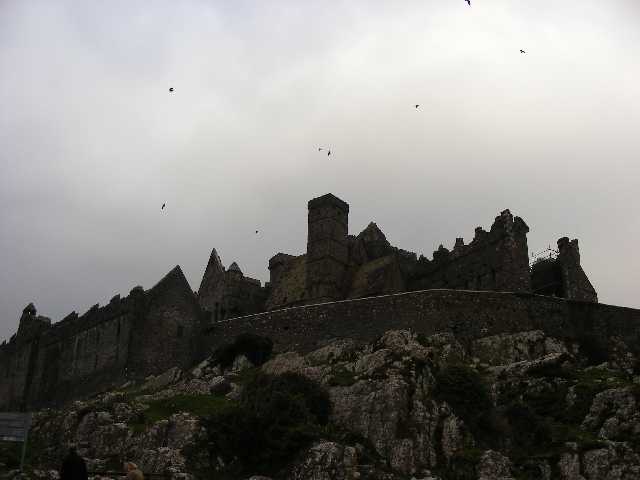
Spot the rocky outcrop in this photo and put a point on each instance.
(546, 415)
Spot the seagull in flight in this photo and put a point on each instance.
(417, 105)
(163, 205)
(522, 51)
(171, 89)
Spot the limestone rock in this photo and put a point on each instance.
(519, 347)
(327, 461)
(614, 415)
(240, 363)
(167, 378)
(494, 466)
(384, 394)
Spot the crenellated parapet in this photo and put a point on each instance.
(135, 336)
(497, 259)
(562, 275)
(150, 331)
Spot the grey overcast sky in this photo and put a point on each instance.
(92, 143)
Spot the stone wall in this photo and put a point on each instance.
(57, 363)
(494, 260)
(470, 314)
(576, 284)
(166, 335)
(228, 293)
(340, 266)
(142, 334)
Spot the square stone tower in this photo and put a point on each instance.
(327, 248)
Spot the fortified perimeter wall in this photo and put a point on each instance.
(468, 314)
(142, 334)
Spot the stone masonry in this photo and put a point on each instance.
(344, 284)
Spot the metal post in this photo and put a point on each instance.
(24, 451)
(24, 442)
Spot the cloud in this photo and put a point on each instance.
(93, 143)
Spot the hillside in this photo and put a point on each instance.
(509, 406)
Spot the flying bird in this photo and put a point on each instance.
(171, 89)
(256, 231)
(522, 51)
(417, 105)
(328, 153)
(163, 206)
(468, 1)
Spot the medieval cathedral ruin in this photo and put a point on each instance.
(169, 325)
(339, 266)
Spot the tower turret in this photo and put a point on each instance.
(327, 248)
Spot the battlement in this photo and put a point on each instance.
(562, 275)
(497, 259)
(328, 200)
(144, 333)
(504, 226)
(361, 282)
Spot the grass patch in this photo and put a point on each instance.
(11, 453)
(197, 405)
(341, 377)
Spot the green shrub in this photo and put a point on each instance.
(341, 377)
(552, 371)
(548, 401)
(422, 339)
(463, 389)
(593, 349)
(529, 432)
(255, 347)
(263, 394)
(464, 464)
(10, 454)
(276, 417)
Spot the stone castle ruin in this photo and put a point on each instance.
(344, 284)
(339, 266)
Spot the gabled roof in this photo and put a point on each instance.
(175, 279)
(235, 268)
(214, 269)
(372, 233)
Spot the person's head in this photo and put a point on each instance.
(128, 466)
